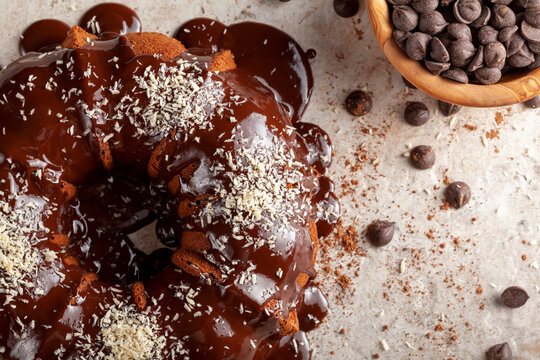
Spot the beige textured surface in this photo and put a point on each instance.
(443, 283)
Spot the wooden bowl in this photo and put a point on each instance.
(511, 89)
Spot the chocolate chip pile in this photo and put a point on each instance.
(469, 40)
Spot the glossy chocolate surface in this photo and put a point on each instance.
(49, 136)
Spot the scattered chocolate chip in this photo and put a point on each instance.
(404, 18)
(456, 74)
(487, 34)
(416, 46)
(460, 31)
(458, 194)
(495, 54)
(506, 33)
(408, 83)
(502, 16)
(423, 6)
(514, 297)
(466, 11)
(359, 103)
(477, 60)
(380, 233)
(436, 67)
(311, 53)
(499, 352)
(461, 52)
(422, 157)
(532, 103)
(438, 51)
(432, 22)
(488, 75)
(416, 113)
(346, 8)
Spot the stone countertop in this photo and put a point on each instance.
(433, 292)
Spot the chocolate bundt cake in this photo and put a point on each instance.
(104, 135)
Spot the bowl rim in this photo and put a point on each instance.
(508, 91)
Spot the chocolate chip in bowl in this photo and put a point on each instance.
(464, 52)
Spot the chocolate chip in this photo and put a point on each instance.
(416, 46)
(460, 31)
(359, 103)
(432, 22)
(458, 194)
(506, 33)
(448, 109)
(488, 75)
(532, 17)
(438, 51)
(495, 54)
(483, 19)
(514, 297)
(502, 16)
(534, 46)
(466, 11)
(311, 54)
(423, 6)
(487, 34)
(514, 44)
(524, 57)
(477, 60)
(529, 4)
(436, 67)
(456, 74)
(535, 64)
(408, 83)
(461, 52)
(416, 113)
(400, 37)
(404, 18)
(532, 103)
(380, 233)
(529, 32)
(346, 8)
(422, 157)
(446, 38)
(499, 352)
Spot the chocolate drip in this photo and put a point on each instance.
(42, 36)
(112, 19)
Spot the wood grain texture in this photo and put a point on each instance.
(511, 89)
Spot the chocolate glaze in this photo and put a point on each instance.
(114, 19)
(43, 35)
(275, 79)
(264, 52)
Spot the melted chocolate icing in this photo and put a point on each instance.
(50, 137)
